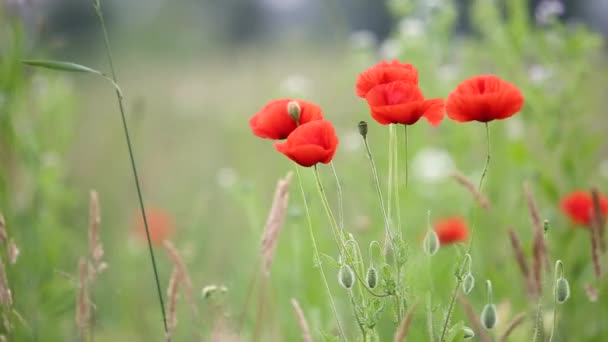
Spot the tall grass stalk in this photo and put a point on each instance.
(119, 98)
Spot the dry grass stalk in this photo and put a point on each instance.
(595, 235)
(473, 319)
(6, 297)
(304, 329)
(592, 293)
(404, 326)
(172, 302)
(183, 275)
(481, 199)
(521, 261)
(539, 247)
(95, 245)
(12, 252)
(3, 235)
(514, 323)
(598, 219)
(83, 313)
(222, 333)
(274, 223)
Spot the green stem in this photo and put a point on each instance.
(459, 278)
(406, 156)
(318, 256)
(396, 182)
(340, 198)
(377, 182)
(119, 97)
(332, 219)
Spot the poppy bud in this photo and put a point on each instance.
(489, 316)
(371, 278)
(346, 277)
(468, 283)
(431, 242)
(363, 128)
(562, 290)
(546, 226)
(294, 110)
(468, 333)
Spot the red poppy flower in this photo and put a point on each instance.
(385, 72)
(484, 98)
(274, 122)
(160, 224)
(311, 143)
(578, 206)
(451, 230)
(403, 103)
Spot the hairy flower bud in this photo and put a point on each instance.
(468, 333)
(346, 277)
(562, 290)
(468, 283)
(294, 110)
(489, 317)
(431, 242)
(363, 128)
(371, 278)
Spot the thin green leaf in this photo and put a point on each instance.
(61, 66)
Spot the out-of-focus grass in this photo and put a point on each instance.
(199, 161)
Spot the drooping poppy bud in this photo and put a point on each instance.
(371, 277)
(467, 333)
(346, 277)
(431, 242)
(468, 283)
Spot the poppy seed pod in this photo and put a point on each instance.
(431, 242)
(362, 128)
(346, 277)
(489, 317)
(468, 283)
(562, 290)
(467, 333)
(294, 110)
(371, 278)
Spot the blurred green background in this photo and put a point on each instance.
(194, 72)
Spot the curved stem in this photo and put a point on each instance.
(119, 97)
(318, 257)
(558, 273)
(339, 237)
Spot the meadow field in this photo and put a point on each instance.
(336, 254)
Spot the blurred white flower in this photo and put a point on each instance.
(390, 48)
(296, 85)
(448, 72)
(226, 177)
(351, 141)
(548, 10)
(362, 39)
(539, 74)
(432, 165)
(604, 168)
(515, 128)
(411, 27)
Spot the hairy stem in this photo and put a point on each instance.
(318, 256)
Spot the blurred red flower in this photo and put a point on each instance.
(451, 230)
(402, 102)
(160, 224)
(274, 122)
(385, 72)
(484, 98)
(578, 206)
(310, 143)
